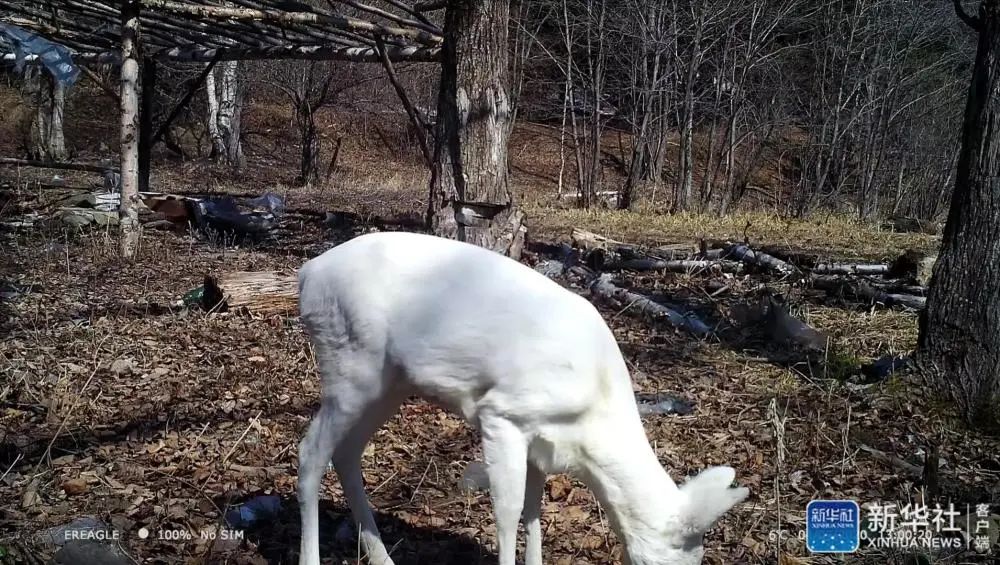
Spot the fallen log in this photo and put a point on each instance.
(563, 262)
(851, 269)
(863, 290)
(749, 256)
(269, 293)
(86, 167)
(896, 287)
(677, 265)
(607, 290)
(803, 259)
(589, 241)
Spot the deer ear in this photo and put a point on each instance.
(708, 496)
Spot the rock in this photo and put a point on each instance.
(668, 405)
(122, 366)
(474, 478)
(86, 528)
(81, 217)
(74, 487)
(925, 268)
(84, 552)
(253, 511)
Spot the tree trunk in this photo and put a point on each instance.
(129, 209)
(309, 159)
(47, 141)
(230, 108)
(470, 192)
(959, 343)
(212, 119)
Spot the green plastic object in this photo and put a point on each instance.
(194, 296)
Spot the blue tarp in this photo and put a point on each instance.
(56, 58)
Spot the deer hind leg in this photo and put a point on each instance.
(347, 463)
(340, 432)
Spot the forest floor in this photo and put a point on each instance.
(116, 405)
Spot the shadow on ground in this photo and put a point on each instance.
(278, 540)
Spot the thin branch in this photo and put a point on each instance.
(410, 110)
(100, 83)
(430, 5)
(971, 21)
(184, 102)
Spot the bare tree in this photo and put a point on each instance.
(648, 31)
(309, 92)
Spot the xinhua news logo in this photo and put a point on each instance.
(837, 526)
(833, 526)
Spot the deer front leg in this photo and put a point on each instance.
(506, 458)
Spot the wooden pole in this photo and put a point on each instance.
(146, 121)
(129, 210)
(280, 17)
(358, 54)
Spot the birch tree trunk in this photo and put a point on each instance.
(959, 341)
(129, 211)
(470, 196)
(212, 119)
(230, 108)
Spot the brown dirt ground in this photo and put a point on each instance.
(204, 410)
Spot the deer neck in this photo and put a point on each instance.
(635, 491)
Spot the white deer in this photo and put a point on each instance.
(528, 363)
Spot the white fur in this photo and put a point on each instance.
(528, 363)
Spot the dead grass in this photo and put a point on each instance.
(834, 236)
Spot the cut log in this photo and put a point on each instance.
(269, 293)
(758, 258)
(851, 269)
(605, 289)
(862, 290)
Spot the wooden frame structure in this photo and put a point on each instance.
(134, 34)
